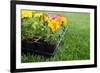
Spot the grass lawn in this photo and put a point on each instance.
(75, 44)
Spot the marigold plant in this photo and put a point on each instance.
(46, 26)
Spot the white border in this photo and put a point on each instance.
(20, 65)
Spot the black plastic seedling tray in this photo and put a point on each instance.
(41, 48)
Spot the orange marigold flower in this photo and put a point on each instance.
(60, 19)
(54, 25)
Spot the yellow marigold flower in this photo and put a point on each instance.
(26, 13)
(54, 25)
(38, 14)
